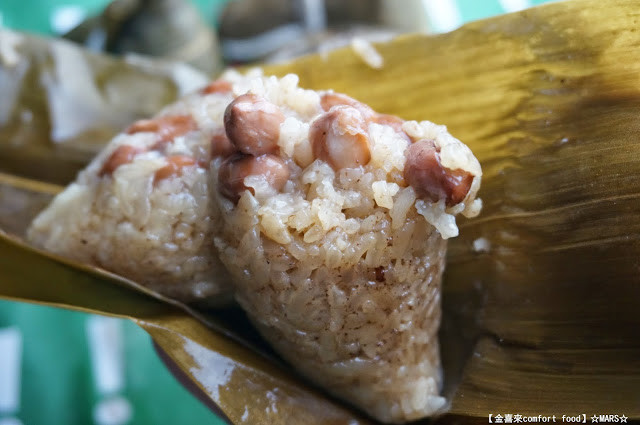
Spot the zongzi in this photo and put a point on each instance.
(330, 218)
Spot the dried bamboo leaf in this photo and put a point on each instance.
(545, 321)
(61, 103)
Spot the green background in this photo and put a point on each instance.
(56, 385)
(35, 15)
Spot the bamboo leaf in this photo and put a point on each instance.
(61, 103)
(545, 321)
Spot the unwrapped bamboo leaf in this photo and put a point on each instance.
(60, 103)
(541, 291)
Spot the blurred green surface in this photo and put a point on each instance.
(472, 10)
(38, 16)
(57, 385)
(41, 12)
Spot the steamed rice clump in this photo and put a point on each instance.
(157, 232)
(340, 270)
(336, 259)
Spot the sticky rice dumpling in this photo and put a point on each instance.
(329, 218)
